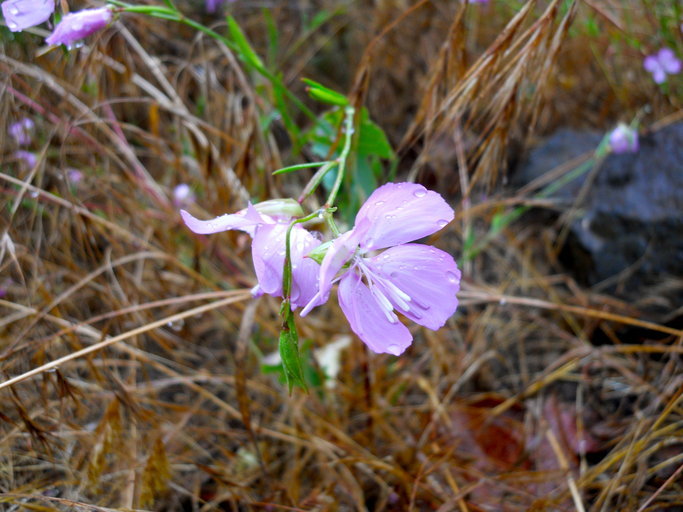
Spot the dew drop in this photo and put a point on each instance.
(442, 223)
(417, 268)
(176, 325)
(420, 193)
(451, 277)
(379, 203)
(12, 25)
(34, 194)
(394, 350)
(14, 11)
(394, 275)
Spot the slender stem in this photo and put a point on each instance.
(349, 112)
(287, 270)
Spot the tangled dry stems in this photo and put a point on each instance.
(131, 350)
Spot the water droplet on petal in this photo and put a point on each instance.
(394, 349)
(420, 193)
(379, 203)
(14, 11)
(12, 25)
(442, 223)
(451, 277)
(393, 275)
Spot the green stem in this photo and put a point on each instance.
(348, 133)
(287, 270)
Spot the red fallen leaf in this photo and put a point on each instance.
(562, 419)
(496, 443)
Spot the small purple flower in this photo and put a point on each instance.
(21, 131)
(26, 158)
(213, 5)
(77, 25)
(623, 139)
(418, 281)
(22, 14)
(662, 63)
(268, 248)
(74, 175)
(183, 195)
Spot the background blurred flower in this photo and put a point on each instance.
(662, 63)
(25, 157)
(21, 131)
(76, 26)
(213, 5)
(183, 195)
(623, 139)
(22, 14)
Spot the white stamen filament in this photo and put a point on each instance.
(400, 297)
(387, 307)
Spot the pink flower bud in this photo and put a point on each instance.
(80, 24)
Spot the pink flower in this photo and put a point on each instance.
(77, 25)
(22, 14)
(623, 139)
(26, 158)
(21, 131)
(268, 248)
(418, 281)
(183, 195)
(662, 63)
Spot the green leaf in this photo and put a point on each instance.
(372, 140)
(246, 52)
(296, 167)
(319, 252)
(289, 351)
(323, 94)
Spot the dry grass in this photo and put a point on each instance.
(130, 349)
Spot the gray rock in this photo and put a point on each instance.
(627, 230)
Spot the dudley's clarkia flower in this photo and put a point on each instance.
(268, 247)
(22, 14)
(21, 131)
(418, 281)
(623, 139)
(77, 25)
(662, 63)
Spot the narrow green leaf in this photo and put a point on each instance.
(289, 351)
(324, 94)
(247, 53)
(296, 167)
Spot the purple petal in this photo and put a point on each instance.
(668, 61)
(337, 255)
(659, 75)
(651, 63)
(22, 14)
(77, 25)
(268, 253)
(245, 220)
(368, 318)
(305, 271)
(420, 281)
(397, 213)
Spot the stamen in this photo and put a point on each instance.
(400, 297)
